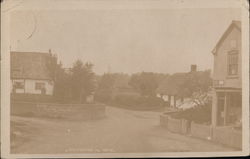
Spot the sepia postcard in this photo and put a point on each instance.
(124, 78)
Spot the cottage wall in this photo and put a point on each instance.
(30, 86)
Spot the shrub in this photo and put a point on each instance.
(199, 114)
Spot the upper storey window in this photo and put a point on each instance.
(233, 63)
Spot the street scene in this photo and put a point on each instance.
(126, 80)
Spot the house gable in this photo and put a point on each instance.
(233, 25)
(227, 53)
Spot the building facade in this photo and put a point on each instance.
(31, 73)
(227, 78)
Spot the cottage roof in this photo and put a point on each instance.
(234, 24)
(30, 65)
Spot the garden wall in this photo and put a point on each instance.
(53, 110)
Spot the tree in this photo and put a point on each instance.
(105, 87)
(146, 83)
(62, 85)
(107, 81)
(82, 80)
(52, 65)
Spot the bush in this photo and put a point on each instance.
(199, 114)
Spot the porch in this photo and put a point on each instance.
(227, 107)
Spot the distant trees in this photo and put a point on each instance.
(146, 82)
(185, 84)
(80, 81)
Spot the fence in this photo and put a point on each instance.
(223, 135)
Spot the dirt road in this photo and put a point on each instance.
(121, 131)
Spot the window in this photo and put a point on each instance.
(39, 85)
(232, 63)
(19, 85)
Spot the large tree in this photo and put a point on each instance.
(83, 80)
(62, 85)
(105, 87)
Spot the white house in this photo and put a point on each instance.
(30, 73)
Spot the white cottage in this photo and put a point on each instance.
(31, 73)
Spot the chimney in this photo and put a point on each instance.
(193, 68)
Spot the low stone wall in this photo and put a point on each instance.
(31, 98)
(228, 136)
(53, 110)
(201, 131)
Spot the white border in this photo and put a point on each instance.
(11, 5)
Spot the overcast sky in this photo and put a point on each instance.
(129, 41)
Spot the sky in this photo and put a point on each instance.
(127, 40)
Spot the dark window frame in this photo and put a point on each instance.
(39, 85)
(233, 63)
(19, 85)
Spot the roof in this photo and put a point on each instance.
(30, 65)
(234, 24)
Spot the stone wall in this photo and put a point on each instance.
(53, 110)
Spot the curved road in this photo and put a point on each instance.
(121, 131)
